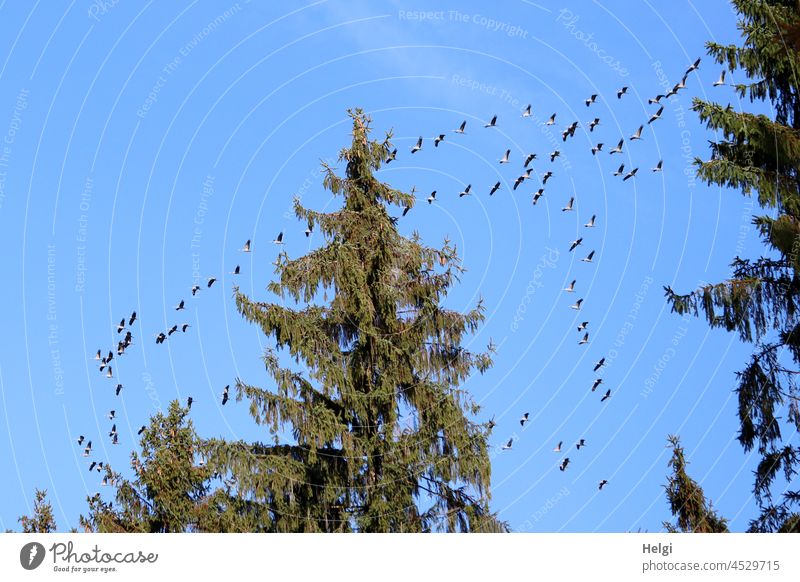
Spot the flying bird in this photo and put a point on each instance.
(279, 239)
(606, 396)
(590, 100)
(189, 402)
(246, 247)
(557, 449)
(630, 174)
(554, 155)
(460, 129)
(721, 80)
(131, 319)
(597, 383)
(656, 115)
(418, 146)
(527, 111)
(638, 134)
(580, 443)
(432, 197)
(160, 338)
(575, 243)
(658, 166)
(547, 175)
(594, 123)
(622, 92)
(121, 325)
(529, 159)
(571, 287)
(568, 207)
(693, 67)
(588, 258)
(656, 99)
(564, 464)
(109, 374)
(524, 419)
(584, 340)
(92, 465)
(172, 330)
(552, 120)
(602, 483)
(597, 148)
(118, 390)
(583, 325)
(600, 363)
(184, 327)
(538, 195)
(98, 355)
(211, 281)
(438, 140)
(179, 306)
(504, 159)
(80, 440)
(590, 224)
(195, 289)
(577, 305)
(225, 395)
(465, 191)
(618, 149)
(494, 189)
(492, 122)
(392, 155)
(88, 449)
(620, 170)
(507, 446)
(142, 429)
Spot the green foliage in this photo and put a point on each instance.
(687, 501)
(756, 154)
(42, 520)
(169, 492)
(375, 434)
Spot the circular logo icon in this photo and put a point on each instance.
(31, 555)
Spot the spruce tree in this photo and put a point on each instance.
(170, 490)
(369, 427)
(687, 501)
(42, 520)
(757, 154)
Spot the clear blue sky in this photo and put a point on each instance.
(145, 142)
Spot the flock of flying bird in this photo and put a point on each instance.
(569, 131)
(127, 340)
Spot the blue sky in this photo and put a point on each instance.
(145, 142)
